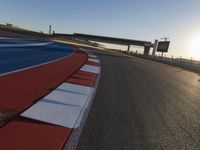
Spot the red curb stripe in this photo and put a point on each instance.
(81, 81)
(32, 135)
(85, 77)
(86, 73)
(92, 63)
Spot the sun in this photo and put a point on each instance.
(195, 47)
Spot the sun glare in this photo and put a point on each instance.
(195, 47)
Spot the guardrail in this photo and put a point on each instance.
(191, 65)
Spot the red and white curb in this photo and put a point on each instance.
(68, 105)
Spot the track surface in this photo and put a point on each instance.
(19, 53)
(143, 105)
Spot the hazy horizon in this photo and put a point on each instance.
(133, 19)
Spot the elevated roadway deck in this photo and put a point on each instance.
(112, 40)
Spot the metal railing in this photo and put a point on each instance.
(189, 64)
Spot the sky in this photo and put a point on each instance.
(133, 19)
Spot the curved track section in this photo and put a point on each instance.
(143, 105)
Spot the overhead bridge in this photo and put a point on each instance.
(112, 40)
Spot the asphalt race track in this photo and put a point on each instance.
(143, 105)
(20, 53)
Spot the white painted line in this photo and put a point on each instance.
(93, 60)
(25, 45)
(66, 98)
(59, 59)
(75, 88)
(83, 50)
(57, 114)
(92, 69)
(85, 107)
(89, 98)
(74, 136)
(92, 56)
(6, 38)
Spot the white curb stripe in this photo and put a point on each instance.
(75, 88)
(55, 106)
(67, 98)
(90, 68)
(92, 56)
(62, 115)
(93, 60)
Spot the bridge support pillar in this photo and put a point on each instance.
(129, 47)
(146, 50)
(155, 47)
